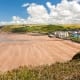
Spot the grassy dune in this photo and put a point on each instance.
(59, 71)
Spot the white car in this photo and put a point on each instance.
(50, 35)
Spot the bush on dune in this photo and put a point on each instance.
(19, 30)
(58, 71)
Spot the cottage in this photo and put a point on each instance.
(62, 34)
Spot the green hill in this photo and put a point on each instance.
(38, 28)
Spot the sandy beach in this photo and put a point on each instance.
(24, 49)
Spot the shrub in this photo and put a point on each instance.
(19, 30)
(75, 39)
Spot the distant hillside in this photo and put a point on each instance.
(72, 25)
(38, 28)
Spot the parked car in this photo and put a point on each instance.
(51, 35)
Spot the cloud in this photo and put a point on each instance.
(15, 20)
(25, 5)
(38, 14)
(65, 12)
(18, 20)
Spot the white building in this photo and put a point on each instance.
(62, 34)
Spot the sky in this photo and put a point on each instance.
(39, 11)
(9, 8)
